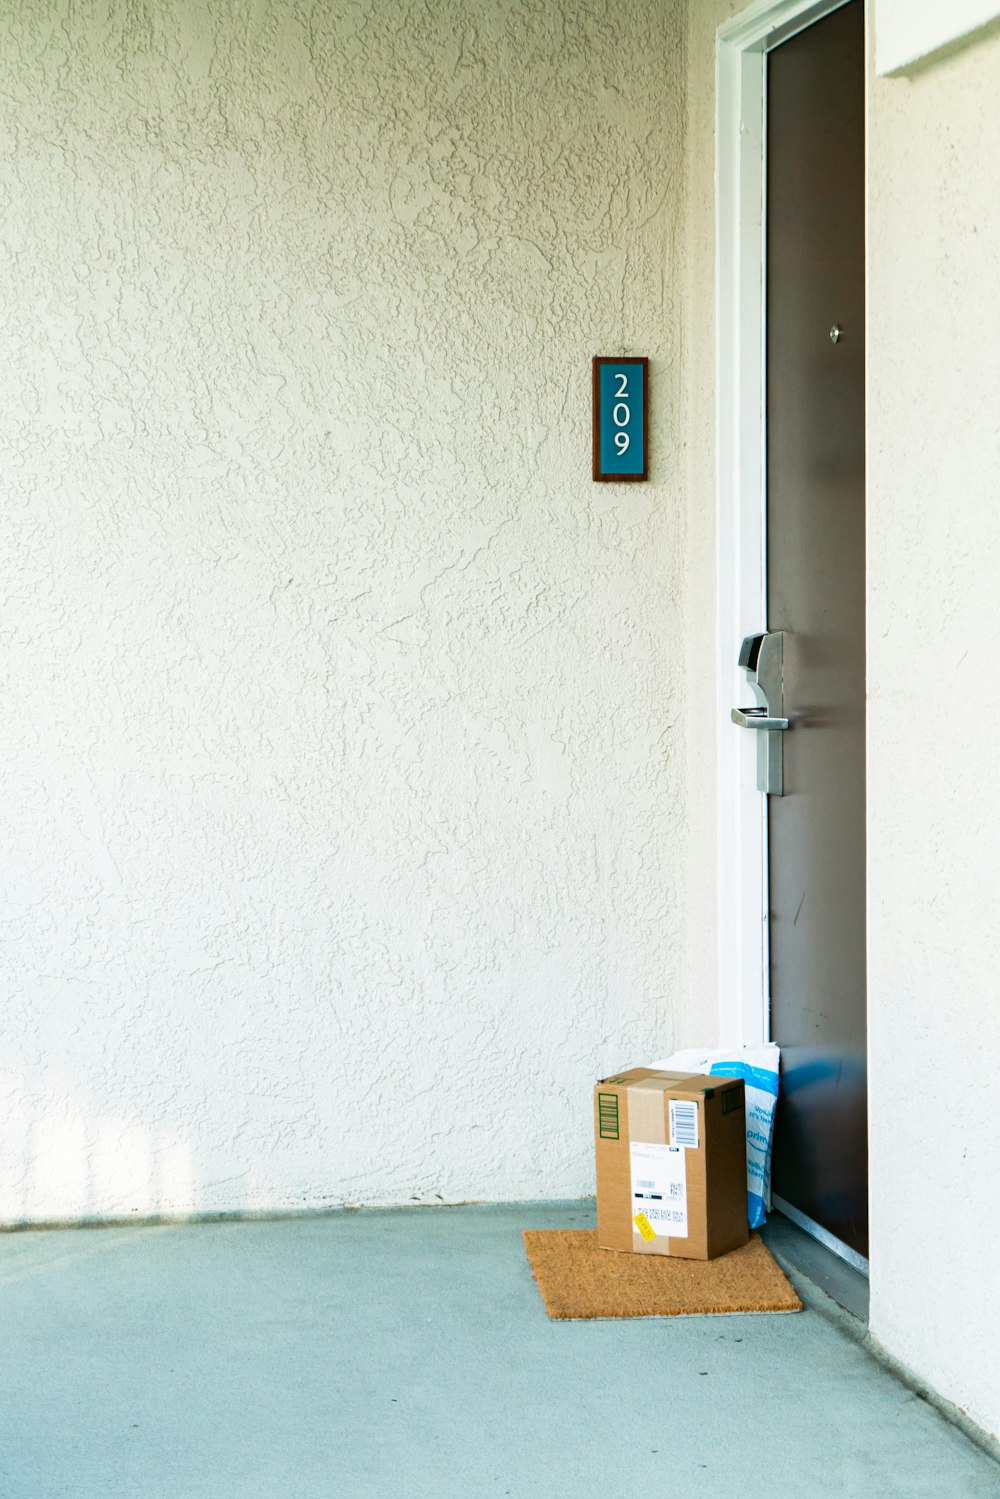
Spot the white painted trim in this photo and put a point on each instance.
(822, 1235)
(910, 31)
(742, 45)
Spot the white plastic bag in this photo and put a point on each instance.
(758, 1067)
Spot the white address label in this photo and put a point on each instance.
(659, 1187)
(684, 1123)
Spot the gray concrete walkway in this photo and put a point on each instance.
(407, 1354)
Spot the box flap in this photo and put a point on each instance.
(647, 1078)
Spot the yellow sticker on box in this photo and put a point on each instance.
(644, 1226)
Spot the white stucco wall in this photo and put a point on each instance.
(934, 723)
(345, 765)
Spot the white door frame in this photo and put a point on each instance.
(741, 136)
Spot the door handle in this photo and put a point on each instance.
(761, 657)
(756, 718)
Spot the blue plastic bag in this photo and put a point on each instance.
(758, 1067)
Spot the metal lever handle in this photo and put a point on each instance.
(756, 718)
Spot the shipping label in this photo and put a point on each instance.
(659, 1187)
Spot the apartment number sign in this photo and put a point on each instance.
(621, 419)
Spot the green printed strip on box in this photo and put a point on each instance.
(607, 1115)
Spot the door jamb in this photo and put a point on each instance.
(741, 557)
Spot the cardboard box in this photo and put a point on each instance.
(671, 1164)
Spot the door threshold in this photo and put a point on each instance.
(841, 1280)
(826, 1238)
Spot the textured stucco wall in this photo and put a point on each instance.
(934, 723)
(345, 760)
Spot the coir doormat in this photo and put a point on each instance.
(577, 1279)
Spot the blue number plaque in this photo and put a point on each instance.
(621, 418)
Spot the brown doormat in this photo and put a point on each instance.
(577, 1279)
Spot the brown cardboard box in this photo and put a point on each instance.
(671, 1163)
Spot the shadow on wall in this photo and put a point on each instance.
(64, 1165)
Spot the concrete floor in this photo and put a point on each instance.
(408, 1354)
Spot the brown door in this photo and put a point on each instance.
(816, 595)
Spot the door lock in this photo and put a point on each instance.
(761, 659)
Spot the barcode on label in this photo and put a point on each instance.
(684, 1123)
